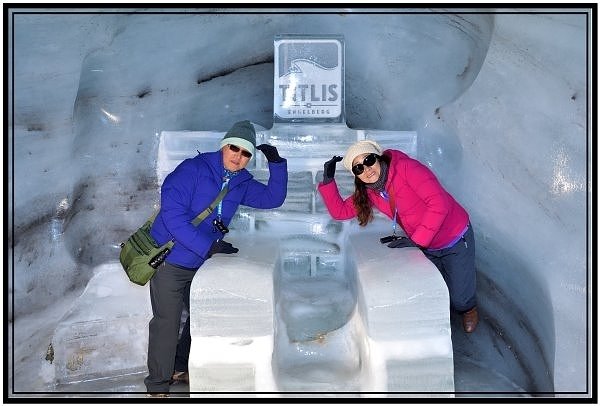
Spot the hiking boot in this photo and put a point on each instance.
(180, 377)
(470, 320)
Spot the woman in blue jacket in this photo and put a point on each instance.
(185, 193)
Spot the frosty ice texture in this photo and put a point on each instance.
(105, 334)
(316, 336)
(505, 152)
(307, 304)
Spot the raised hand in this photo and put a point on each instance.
(329, 169)
(270, 152)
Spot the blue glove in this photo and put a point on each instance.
(270, 152)
(402, 242)
(329, 169)
(221, 247)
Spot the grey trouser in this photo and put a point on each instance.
(457, 266)
(169, 295)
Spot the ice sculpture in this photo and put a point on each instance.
(322, 311)
(489, 140)
(292, 311)
(105, 334)
(308, 304)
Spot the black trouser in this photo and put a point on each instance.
(457, 266)
(169, 295)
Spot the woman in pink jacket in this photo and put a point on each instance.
(409, 193)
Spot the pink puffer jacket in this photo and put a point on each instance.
(426, 211)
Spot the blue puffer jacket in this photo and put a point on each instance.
(192, 187)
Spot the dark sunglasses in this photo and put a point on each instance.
(235, 148)
(368, 161)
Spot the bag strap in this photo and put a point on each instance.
(169, 244)
(211, 207)
(204, 213)
(152, 217)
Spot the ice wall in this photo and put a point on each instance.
(499, 102)
(523, 174)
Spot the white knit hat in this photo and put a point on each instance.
(359, 148)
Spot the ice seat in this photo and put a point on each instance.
(403, 303)
(105, 334)
(399, 331)
(231, 307)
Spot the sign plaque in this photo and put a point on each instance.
(309, 79)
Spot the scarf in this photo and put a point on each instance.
(379, 184)
(227, 174)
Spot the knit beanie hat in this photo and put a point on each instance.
(359, 148)
(242, 134)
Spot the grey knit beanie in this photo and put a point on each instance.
(242, 134)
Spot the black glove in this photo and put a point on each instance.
(221, 247)
(270, 152)
(329, 169)
(402, 242)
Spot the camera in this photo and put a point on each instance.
(220, 226)
(389, 238)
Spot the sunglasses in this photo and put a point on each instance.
(235, 148)
(368, 161)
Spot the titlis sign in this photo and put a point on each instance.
(308, 79)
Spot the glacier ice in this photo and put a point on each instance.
(499, 101)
